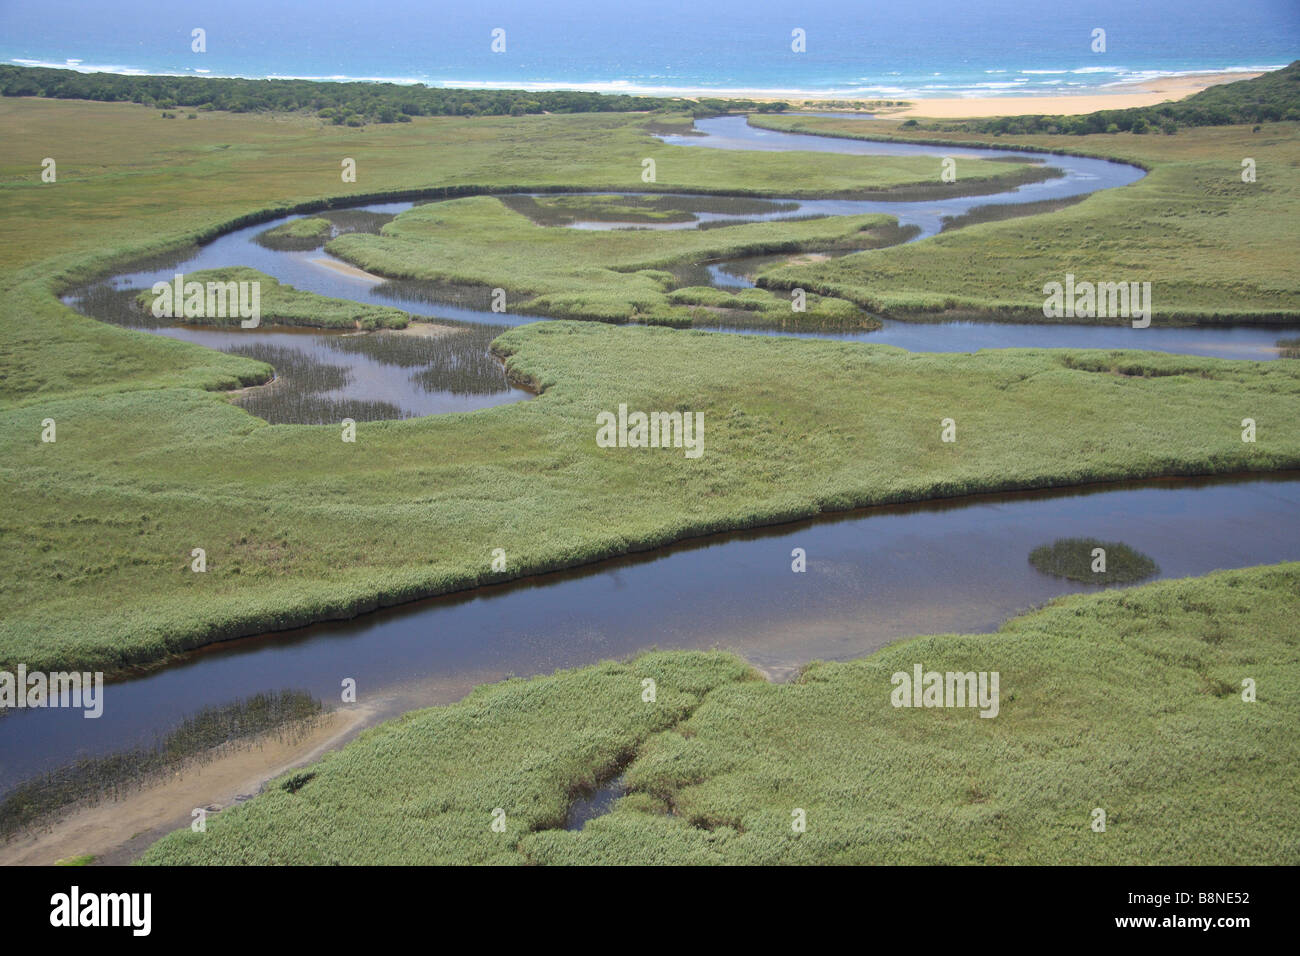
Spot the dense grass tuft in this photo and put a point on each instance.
(1073, 559)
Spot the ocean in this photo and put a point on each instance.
(873, 49)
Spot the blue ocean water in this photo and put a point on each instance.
(867, 48)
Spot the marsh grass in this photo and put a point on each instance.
(758, 308)
(283, 304)
(796, 428)
(1217, 251)
(308, 389)
(356, 220)
(565, 210)
(1290, 348)
(999, 212)
(121, 307)
(459, 361)
(300, 235)
(285, 715)
(1072, 558)
(432, 292)
(615, 276)
(300, 393)
(296, 235)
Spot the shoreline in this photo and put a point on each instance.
(115, 830)
(1121, 96)
(1173, 84)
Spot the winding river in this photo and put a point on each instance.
(873, 576)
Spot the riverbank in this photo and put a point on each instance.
(114, 831)
(1092, 691)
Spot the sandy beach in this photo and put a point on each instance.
(1119, 96)
(1122, 96)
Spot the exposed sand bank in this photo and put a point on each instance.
(425, 330)
(1123, 96)
(115, 831)
(346, 269)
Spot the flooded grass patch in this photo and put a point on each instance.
(323, 377)
(594, 802)
(287, 715)
(459, 362)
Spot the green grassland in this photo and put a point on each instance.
(1128, 701)
(1215, 249)
(130, 185)
(308, 233)
(563, 210)
(299, 526)
(1124, 700)
(616, 275)
(284, 305)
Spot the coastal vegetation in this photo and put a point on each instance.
(343, 104)
(1129, 702)
(610, 275)
(1125, 701)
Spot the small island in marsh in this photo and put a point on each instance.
(1090, 561)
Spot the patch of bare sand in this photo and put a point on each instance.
(425, 330)
(345, 269)
(117, 831)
